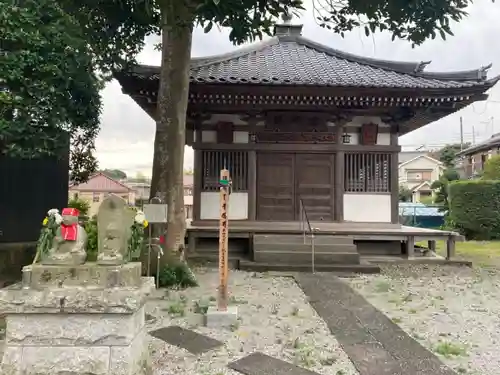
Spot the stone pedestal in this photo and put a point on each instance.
(221, 319)
(86, 319)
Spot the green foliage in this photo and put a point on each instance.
(448, 154)
(92, 238)
(48, 86)
(405, 194)
(177, 275)
(427, 200)
(80, 204)
(491, 170)
(136, 240)
(47, 235)
(441, 188)
(115, 174)
(475, 208)
(414, 21)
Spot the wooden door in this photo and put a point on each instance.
(275, 187)
(314, 184)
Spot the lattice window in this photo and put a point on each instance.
(367, 172)
(235, 161)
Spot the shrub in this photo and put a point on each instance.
(475, 208)
(80, 204)
(177, 275)
(91, 229)
(491, 170)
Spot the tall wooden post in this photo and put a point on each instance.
(223, 239)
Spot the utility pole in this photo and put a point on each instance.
(473, 136)
(461, 134)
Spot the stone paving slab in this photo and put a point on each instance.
(373, 342)
(187, 339)
(262, 364)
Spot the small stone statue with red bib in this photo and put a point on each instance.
(70, 242)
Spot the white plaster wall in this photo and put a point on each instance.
(209, 136)
(367, 208)
(210, 206)
(383, 139)
(240, 137)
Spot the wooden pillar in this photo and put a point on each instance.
(410, 247)
(450, 247)
(252, 185)
(394, 176)
(197, 183)
(338, 179)
(431, 245)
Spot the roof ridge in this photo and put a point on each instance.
(115, 181)
(405, 67)
(99, 173)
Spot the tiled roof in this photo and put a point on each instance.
(405, 156)
(101, 183)
(294, 60)
(492, 142)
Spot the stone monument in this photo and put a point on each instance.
(113, 227)
(79, 319)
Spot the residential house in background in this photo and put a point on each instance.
(97, 188)
(417, 174)
(471, 160)
(143, 191)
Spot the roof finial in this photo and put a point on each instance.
(286, 28)
(287, 17)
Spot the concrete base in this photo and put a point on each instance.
(75, 330)
(221, 319)
(88, 275)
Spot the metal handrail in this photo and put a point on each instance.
(306, 228)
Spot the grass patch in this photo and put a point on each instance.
(449, 349)
(382, 287)
(481, 253)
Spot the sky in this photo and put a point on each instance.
(126, 138)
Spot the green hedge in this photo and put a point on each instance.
(475, 208)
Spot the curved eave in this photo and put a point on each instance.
(133, 85)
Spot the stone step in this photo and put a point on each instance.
(305, 248)
(298, 238)
(306, 267)
(298, 257)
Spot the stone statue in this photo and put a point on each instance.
(113, 225)
(70, 241)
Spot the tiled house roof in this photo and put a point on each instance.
(295, 60)
(102, 184)
(492, 142)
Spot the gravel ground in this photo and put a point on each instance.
(274, 318)
(454, 312)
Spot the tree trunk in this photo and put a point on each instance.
(168, 161)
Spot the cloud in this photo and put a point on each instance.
(126, 138)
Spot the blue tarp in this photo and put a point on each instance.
(418, 209)
(420, 215)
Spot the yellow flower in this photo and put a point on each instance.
(45, 221)
(145, 223)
